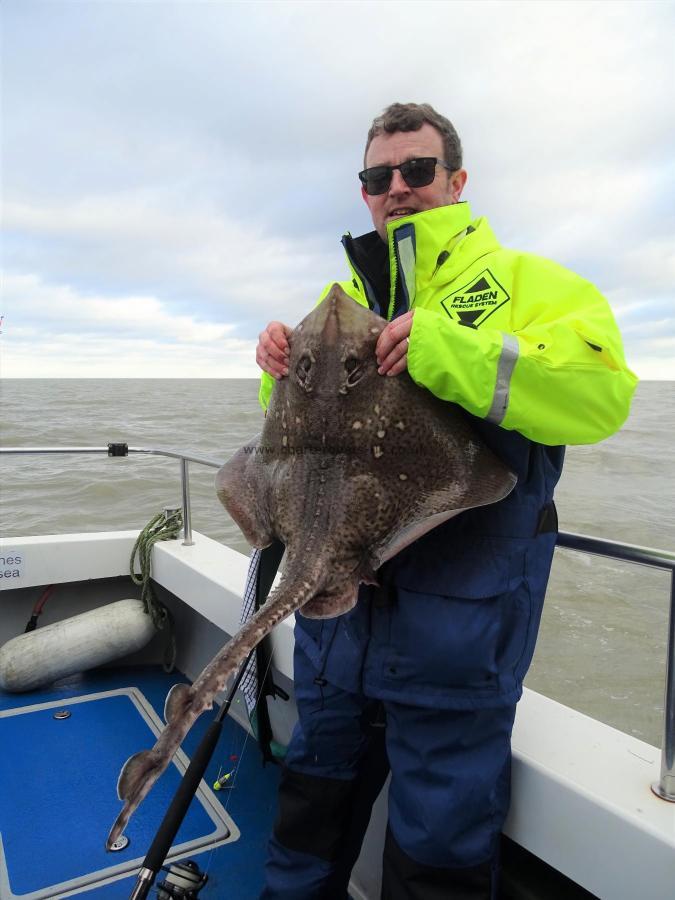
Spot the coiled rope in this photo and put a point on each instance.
(160, 528)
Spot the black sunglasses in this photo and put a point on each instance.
(415, 172)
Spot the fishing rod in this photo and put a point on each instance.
(177, 811)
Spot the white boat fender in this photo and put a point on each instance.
(74, 645)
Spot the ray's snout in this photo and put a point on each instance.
(331, 315)
(336, 318)
(330, 333)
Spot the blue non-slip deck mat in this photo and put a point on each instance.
(234, 868)
(57, 783)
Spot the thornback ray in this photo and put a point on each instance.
(350, 468)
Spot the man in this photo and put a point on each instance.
(437, 653)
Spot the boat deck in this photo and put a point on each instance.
(59, 792)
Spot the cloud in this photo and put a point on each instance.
(55, 332)
(198, 256)
(60, 308)
(195, 163)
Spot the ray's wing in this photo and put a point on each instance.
(436, 493)
(332, 603)
(241, 485)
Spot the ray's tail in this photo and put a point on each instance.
(184, 703)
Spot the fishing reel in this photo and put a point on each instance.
(183, 882)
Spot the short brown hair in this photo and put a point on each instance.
(411, 117)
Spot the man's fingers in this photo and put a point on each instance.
(396, 361)
(274, 340)
(273, 350)
(392, 336)
(392, 345)
(398, 367)
(268, 364)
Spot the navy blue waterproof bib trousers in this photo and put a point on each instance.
(441, 648)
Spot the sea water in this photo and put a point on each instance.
(602, 641)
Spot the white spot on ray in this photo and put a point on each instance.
(403, 476)
(284, 440)
(381, 433)
(400, 425)
(378, 451)
(356, 425)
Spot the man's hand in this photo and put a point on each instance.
(272, 352)
(391, 349)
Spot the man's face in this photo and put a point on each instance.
(401, 200)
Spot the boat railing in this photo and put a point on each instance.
(122, 449)
(646, 556)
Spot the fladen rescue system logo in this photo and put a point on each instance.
(472, 304)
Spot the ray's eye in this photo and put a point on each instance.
(303, 368)
(355, 370)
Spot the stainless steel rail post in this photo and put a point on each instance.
(665, 787)
(185, 488)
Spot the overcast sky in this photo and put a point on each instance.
(175, 175)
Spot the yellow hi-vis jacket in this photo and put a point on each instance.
(513, 338)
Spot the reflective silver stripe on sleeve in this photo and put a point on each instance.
(507, 363)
